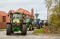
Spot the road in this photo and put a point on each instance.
(28, 36)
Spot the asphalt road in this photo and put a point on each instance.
(28, 36)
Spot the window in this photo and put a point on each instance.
(4, 18)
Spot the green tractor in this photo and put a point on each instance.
(29, 23)
(17, 23)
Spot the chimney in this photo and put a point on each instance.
(32, 11)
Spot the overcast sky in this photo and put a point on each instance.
(39, 5)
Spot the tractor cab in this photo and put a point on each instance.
(17, 18)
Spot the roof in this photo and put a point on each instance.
(11, 11)
(21, 10)
(3, 13)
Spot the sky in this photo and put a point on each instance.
(39, 6)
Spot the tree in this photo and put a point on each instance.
(55, 10)
(55, 17)
(48, 5)
(50, 2)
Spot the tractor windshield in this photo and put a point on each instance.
(17, 17)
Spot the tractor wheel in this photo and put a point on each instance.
(24, 29)
(38, 27)
(9, 29)
(31, 28)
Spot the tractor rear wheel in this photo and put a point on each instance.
(31, 28)
(38, 26)
(9, 29)
(24, 29)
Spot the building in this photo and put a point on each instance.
(3, 19)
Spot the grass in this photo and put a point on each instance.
(38, 31)
(2, 29)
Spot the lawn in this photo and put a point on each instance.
(38, 31)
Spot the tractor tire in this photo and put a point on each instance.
(24, 29)
(31, 28)
(9, 29)
(38, 27)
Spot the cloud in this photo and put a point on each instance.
(6, 5)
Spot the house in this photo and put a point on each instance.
(3, 19)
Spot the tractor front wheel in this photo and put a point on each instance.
(24, 29)
(9, 29)
(31, 28)
(38, 26)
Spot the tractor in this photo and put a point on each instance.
(29, 23)
(37, 23)
(17, 23)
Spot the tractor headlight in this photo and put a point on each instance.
(18, 21)
(13, 21)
